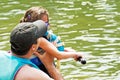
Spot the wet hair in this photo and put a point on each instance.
(33, 14)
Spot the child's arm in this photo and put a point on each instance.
(52, 50)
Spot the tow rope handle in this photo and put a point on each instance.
(58, 65)
(82, 60)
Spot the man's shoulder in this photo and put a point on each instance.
(25, 72)
(29, 73)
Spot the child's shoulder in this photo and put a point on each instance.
(50, 35)
(50, 32)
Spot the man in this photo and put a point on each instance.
(24, 41)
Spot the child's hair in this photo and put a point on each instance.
(33, 14)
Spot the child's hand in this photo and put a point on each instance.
(80, 58)
(77, 55)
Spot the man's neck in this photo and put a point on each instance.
(22, 56)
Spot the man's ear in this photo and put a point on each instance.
(33, 47)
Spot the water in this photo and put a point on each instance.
(88, 26)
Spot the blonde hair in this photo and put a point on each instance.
(34, 13)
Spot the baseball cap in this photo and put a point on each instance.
(25, 34)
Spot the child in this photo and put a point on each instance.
(39, 13)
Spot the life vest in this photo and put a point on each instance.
(10, 65)
(55, 40)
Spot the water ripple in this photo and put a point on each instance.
(96, 39)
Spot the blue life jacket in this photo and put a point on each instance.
(55, 39)
(10, 65)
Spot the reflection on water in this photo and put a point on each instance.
(91, 27)
(98, 40)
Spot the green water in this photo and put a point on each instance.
(88, 26)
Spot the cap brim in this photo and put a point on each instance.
(42, 28)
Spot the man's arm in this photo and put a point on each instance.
(30, 73)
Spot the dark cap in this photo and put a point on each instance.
(25, 34)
